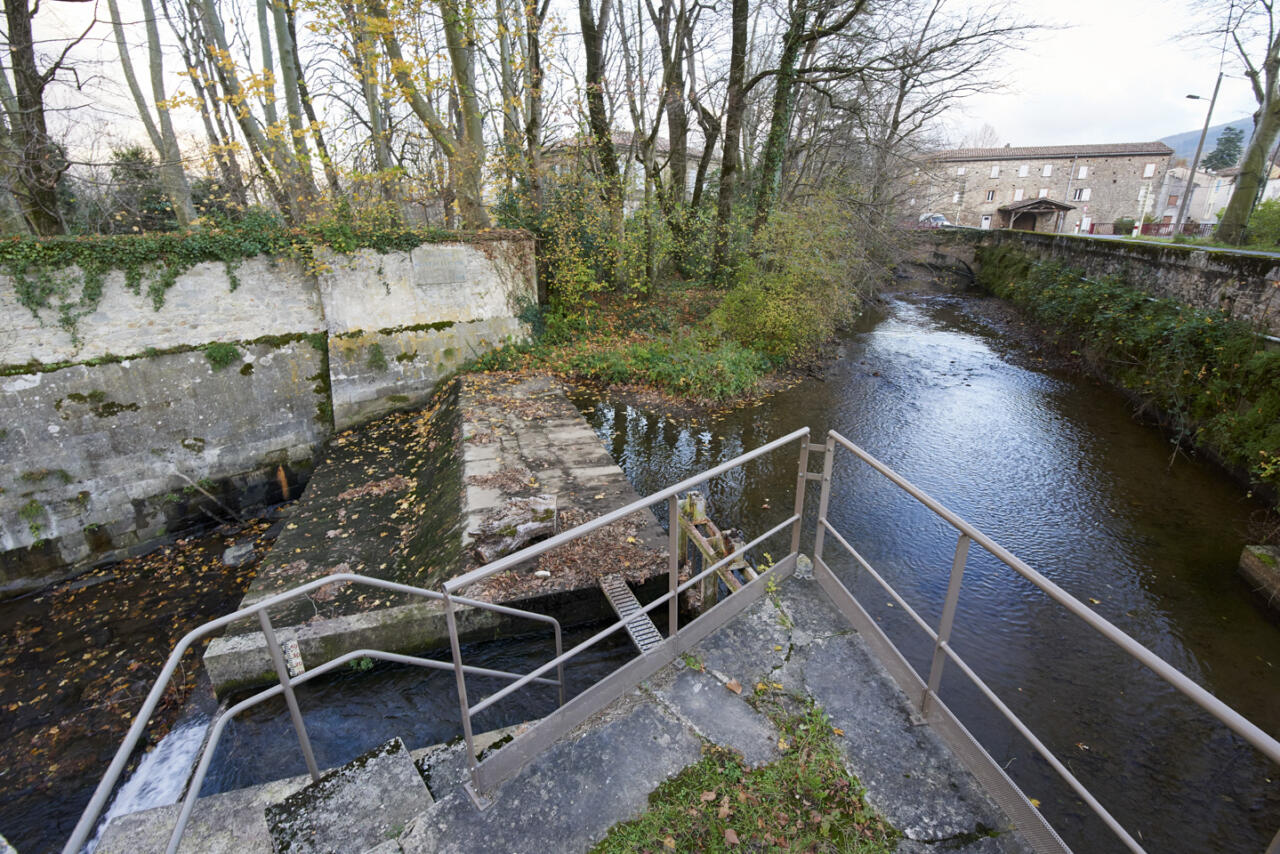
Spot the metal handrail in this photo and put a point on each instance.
(670, 597)
(93, 811)
(943, 650)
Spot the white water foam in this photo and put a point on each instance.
(160, 776)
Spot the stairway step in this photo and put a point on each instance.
(353, 808)
(644, 634)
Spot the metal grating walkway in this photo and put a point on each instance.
(643, 632)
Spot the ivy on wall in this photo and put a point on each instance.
(65, 275)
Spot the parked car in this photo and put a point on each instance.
(933, 220)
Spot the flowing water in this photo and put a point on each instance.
(1053, 467)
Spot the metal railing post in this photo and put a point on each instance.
(282, 672)
(802, 475)
(944, 625)
(824, 498)
(464, 708)
(673, 564)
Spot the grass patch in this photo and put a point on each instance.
(659, 342)
(804, 801)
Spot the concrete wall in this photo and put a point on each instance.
(1246, 286)
(128, 431)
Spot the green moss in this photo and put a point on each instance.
(407, 356)
(376, 359)
(195, 444)
(31, 513)
(221, 354)
(398, 398)
(246, 370)
(1266, 557)
(97, 403)
(40, 475)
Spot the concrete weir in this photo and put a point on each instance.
(396, 500)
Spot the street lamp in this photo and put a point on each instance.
(1191, 179)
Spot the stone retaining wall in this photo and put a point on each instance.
(131, 429)
(1246, 285)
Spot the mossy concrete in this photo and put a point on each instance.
(1260, 566)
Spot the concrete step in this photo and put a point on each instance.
(644, 634)
(235, 822)
(354, 808)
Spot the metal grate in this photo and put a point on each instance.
(643, 632)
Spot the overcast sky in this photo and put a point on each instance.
(1106, 71)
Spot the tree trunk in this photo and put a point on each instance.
(784, 95)
(597, 115)
(534, 16)
(734, 104)
(468, 165)
(40, 164)
(1254, 169)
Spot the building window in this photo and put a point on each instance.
(1017, 195)
(995, 171)
(1149, 170)
(1047, 171)
(1173, 200)
(960, 170)
(1083, 173)
(1044, 191)
(955, 198)
(1022, 171)
(1080, 194)
(991, 195)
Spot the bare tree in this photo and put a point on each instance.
(39, 162)
(160, 126)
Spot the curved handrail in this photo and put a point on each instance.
(220, 721)
(93, 811)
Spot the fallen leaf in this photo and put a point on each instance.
(723, 812)
(1035, 802)
(837, 730)
(669, 843)
(707, 797)
(734, 685)
(730, 836)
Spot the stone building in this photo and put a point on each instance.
(1079, 185)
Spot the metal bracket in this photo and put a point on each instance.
(482, 801)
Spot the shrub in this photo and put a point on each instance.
(801, 279)
(1264, 225)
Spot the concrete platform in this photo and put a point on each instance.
(603, 772)
(395, 499)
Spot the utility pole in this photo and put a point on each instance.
(1195, 162)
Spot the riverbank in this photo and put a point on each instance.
(668, 349)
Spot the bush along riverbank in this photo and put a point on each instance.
(1209, 378)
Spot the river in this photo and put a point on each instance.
(1056, 469)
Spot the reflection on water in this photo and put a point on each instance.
(1054, 468)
